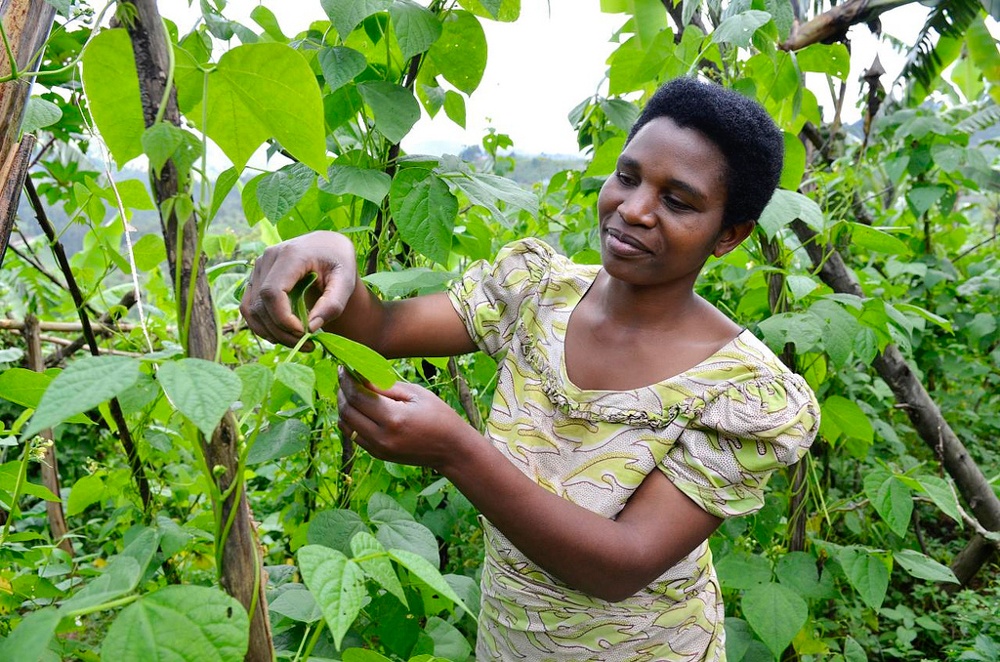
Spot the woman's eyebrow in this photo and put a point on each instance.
(628, 163)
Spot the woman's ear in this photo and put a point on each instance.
(732, 237)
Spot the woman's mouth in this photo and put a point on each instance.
(623, 244)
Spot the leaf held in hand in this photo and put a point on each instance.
(364, 361)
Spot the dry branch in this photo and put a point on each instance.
(924, 414)
(834, 23)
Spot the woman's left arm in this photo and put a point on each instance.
(605, 558)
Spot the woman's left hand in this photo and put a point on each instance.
(406, 423)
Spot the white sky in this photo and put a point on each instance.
(540, 67)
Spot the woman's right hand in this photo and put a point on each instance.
(266, 305)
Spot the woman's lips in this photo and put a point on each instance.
(624, 244)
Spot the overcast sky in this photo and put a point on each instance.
(540, 67)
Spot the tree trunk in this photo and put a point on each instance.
(241, 573)
(26, 24)
(923, 412)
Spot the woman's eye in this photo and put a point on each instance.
(677, 205)
(625, 178)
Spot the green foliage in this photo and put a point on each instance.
(368, 560)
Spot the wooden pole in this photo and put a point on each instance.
(241, 570)
(26, 25)
(50, 466)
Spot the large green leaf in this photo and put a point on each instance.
(83, 385)
(428, 574)
(284, 438)
(877, 240)
(345, 16)
(416, 28)
(298, 377)
(848, 417)
(297, 604)
(366, 183)
(832, 59)
(335, 529)
(373, 559)
(425, 211)
(891, 499)
(741, 571)
(395, 284)
(787, 206)
(30, 639)
(279, 191)
(363, 360)
(180, 623)
(340, 65)
(396, 528)
(38, 114)
(260, 91)
(867, 571)
(924, 567)
(337, 583)
(395, 108)
(942, 494)
(776, 613)
(460, 52)
(739, 28)
(112, 86)
(201, 390)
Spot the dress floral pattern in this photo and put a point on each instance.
(716, 431)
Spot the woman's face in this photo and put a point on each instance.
(661, 210)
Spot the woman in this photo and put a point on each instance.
(630, 416)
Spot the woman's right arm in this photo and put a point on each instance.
(421, 326)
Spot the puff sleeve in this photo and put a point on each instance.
(489, 297)
(743, 433)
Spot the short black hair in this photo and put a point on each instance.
(744, 132)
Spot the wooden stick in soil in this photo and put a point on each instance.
(241, 573)
(50, 465)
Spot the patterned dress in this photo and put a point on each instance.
(716, 431)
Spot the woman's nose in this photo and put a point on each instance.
(638, 208)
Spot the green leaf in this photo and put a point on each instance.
(278, 192)
(160, 141)
(395, 108)
(260, 91)
(924, 567)
(335, 529)
(363, 360)
(337, 583)
(867, 571)
(223, 185)
(340, 65)
(460, 52)
(297, 604)
(395, 284)
(266, 19)
(741, 571)
(119, 578)
(891, 499)
(398, 529)
(30, 639)
(38, 114)
(374, 560)
(85, 492)
(943, 495)
(739, 28)
(795, 162)
(112, 87)
(8, 477)
(449, 643)
(346, 16)
(922, 198)
(428, 574)
(362, 655)
(83, 385)
(416, 28)
(849, 418)
(201, 390)
(738, 638)
(787, 206)
(425, 211)
(454, 107)
(372, 185)
(876, 240)
(24, 387)
(832, 59)
(853, 651)
(776, 613)
(149, 252)
(300, 378)
(279, 440)
(798, 571)
(184, 623)
(256, 381)
(489, 190)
